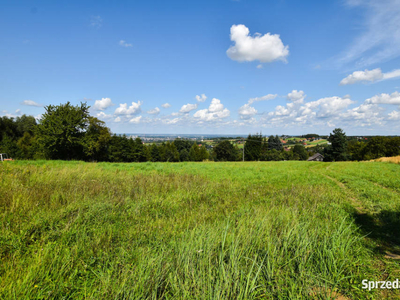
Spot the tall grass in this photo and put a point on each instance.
(74, 230)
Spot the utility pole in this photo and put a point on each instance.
(243, 149)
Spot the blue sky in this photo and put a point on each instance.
(280, 67)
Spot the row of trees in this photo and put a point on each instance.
(68, 132)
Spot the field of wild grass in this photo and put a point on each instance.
(254, 230)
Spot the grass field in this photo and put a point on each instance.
(253, 230)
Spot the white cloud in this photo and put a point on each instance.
(103, 115)
(363, 115)
(102, 104)
(135, 120)
(247, 111)
(259, 66)
(117, 120)
(369, 75)
(380, 40)
(215, 112)
(326, 107)
(124, 44)
(96, 21)
(263, 98)
(154, 111)
(123, 109)
(215, 105)
(31, 103)
(313, 114)
(166, 105)
(173, 121)
(296, 96)
(264, 48)
(201, 98)
(394, 115)
(393, 98)
(188, 108)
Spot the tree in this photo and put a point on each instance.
(203, 154)
(155, 153)
(96, 140)
(194, 153)
(274, 142)
(225, 151)
(61, 130)
(252, 148)
(171, 154)
(338, 148)
(299, 151)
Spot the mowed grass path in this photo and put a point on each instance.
(253, 230)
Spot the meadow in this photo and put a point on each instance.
(237, 230)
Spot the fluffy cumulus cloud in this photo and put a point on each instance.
(187, 108)
(123, 43)
(393, 98)
(296, 96)
(154, 111)
(247, 111)
(315, 113)
(103, 115)
(363, 76)
(264, 48)
(363, 115)
(201, 98)
(165, 105)
(369, 76)
(117, 119)
(394, 115)
(123, 109)
(135, 120)
(215, 112)
(326, 107)
(31, 103)
(102, 104)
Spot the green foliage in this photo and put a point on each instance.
(274, 142)
(155, 153)
(62, 129)
(299, 152)
(169, 152)
(337, 151)
(225, 151)
(96, 140)
(253, 146)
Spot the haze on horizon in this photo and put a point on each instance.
(209, 67)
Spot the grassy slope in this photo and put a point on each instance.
(197, 230)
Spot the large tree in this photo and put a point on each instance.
(337, 151)
(252, 147)
(225, 151)
(62, 129)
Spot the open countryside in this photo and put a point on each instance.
(201, 150)
(233, 230)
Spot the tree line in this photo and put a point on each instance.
(68, 132)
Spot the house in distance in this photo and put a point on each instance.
(316, 157)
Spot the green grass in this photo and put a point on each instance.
(253, 230)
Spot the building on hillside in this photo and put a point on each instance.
(316, 157)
